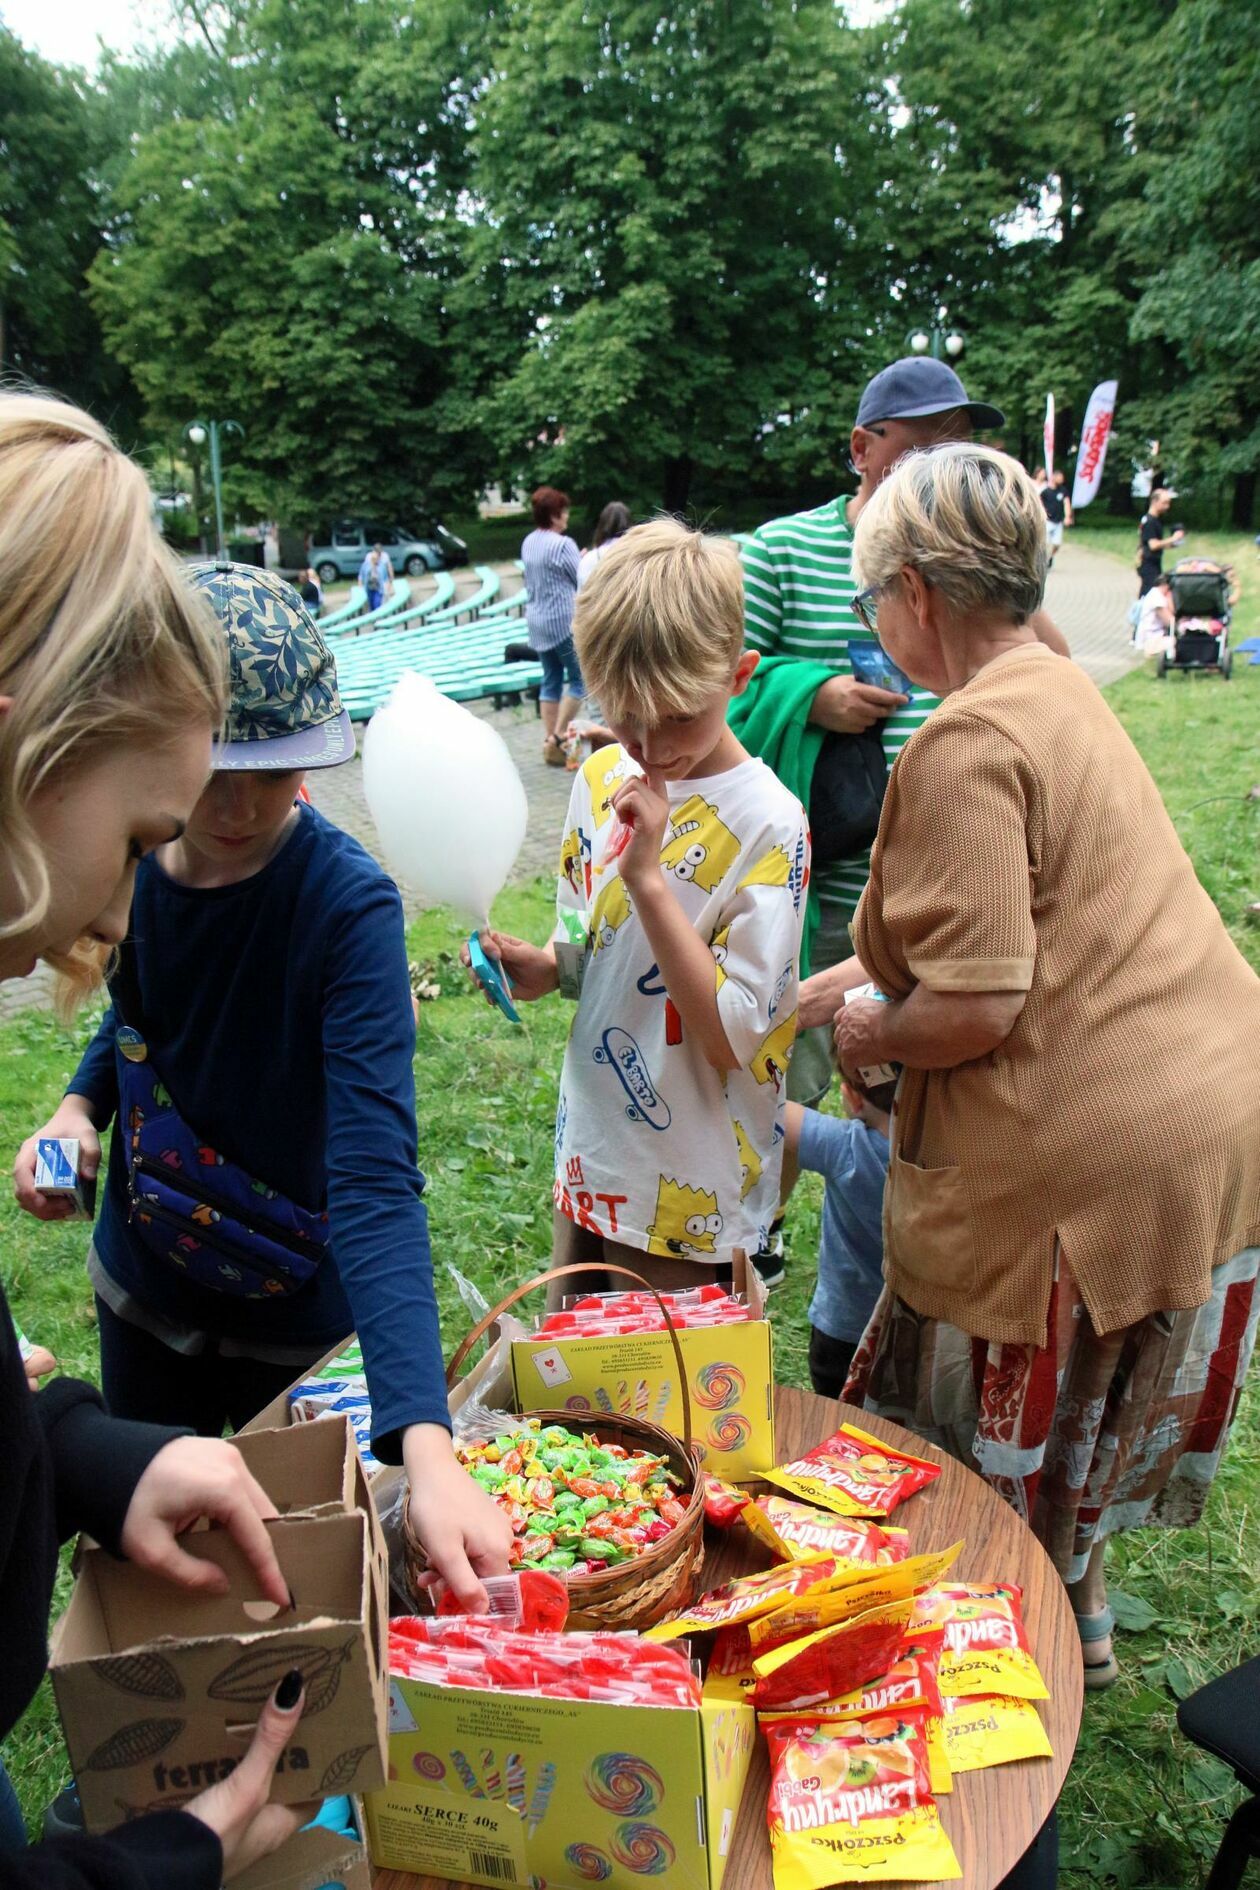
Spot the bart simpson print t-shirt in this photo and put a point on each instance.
(654, 1147)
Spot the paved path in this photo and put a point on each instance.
(1088, 596)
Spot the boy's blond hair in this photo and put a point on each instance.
(659, 626)
(102, 639)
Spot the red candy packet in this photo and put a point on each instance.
(529, 1599)
(792, 1530)
(833, 1661)
(986, 1646)
(855, 1474)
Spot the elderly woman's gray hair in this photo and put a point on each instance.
(969, 520)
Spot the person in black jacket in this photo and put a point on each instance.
(111, 681)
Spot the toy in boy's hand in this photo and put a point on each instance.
(492, 978)
(445, 796)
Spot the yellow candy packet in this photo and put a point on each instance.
(792, 1530)
(940, 1771)
(855, 1474)
(845, 1805)
(842, 1598)
(747, 1596)
(986, 1647)
(991, 1730)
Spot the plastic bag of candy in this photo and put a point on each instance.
(529, 1599)
(855, 1474)
(794, 1529)
(835, 1660)
(910, 1684)
(852, 1591)
(747, 1596)
(847, 1802)
(989, 1730)
(986, 1646)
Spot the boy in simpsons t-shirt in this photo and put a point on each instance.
(680, 901)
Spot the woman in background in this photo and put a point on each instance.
(550, 558)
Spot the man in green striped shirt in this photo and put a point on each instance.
(798, 601)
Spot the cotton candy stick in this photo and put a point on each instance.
(515, 1773)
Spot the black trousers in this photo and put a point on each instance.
(144, 1379)
(829, 1362)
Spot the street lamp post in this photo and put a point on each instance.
(197, 432)
(939, 341)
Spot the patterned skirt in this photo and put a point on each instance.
(1090, 1434)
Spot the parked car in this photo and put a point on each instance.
(338, 550)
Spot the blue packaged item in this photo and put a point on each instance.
(873, 665)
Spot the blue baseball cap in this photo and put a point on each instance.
(917, 386)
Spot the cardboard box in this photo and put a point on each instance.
(159, 1690)
(57, 1173)
(497, 1788)
(312, 1859)
(730, 1374)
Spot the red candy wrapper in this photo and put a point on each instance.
(479, 1652)
(723, 1503)
(855, 1474)
(793, 1530)
(529, 1599)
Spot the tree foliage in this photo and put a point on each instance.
(644, 251)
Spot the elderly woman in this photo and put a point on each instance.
(1065, 1309)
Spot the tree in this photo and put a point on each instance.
(677, 224)
(281, 258)
(1193, 238)
(50, 229)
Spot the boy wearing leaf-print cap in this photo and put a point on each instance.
(264, 985)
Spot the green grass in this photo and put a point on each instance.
(1140, 1809)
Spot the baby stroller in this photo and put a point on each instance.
(1200, 625)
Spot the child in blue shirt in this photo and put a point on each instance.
(852, 1156)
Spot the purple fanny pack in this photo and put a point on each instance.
(196, 1210)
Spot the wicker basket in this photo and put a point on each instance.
(637, 1593)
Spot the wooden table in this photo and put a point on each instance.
(992, 1816)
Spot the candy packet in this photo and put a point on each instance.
(477, 1652)
(847, 1804)
(745, 1597)
(794, 1529)
(872, 664)
(986, 1647)
(909, 1685)
(991, 1730)
(855, 1474)
(853, 1593)
(835, 1660)
(723, 1503)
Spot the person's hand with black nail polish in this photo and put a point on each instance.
(238, 1810)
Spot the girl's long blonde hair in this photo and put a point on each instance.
(102, 640)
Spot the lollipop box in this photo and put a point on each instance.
(159, 1690)
(729, 1373)
(494, 1788)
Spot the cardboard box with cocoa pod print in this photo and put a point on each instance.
(159, 1690)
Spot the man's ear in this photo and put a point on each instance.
(857, 449)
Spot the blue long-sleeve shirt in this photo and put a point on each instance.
(278, 1014)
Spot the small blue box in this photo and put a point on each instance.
(57, 1172)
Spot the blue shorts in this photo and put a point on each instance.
(560, 673)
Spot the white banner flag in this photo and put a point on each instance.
(1047, 434)
(1093, 449)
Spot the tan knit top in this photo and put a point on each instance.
(1024, 847)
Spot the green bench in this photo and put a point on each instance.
(464, 661)
(428, 607)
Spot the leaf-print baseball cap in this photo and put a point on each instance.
(284, 709)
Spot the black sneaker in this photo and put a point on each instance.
(64, 1817)
(771, 1261)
